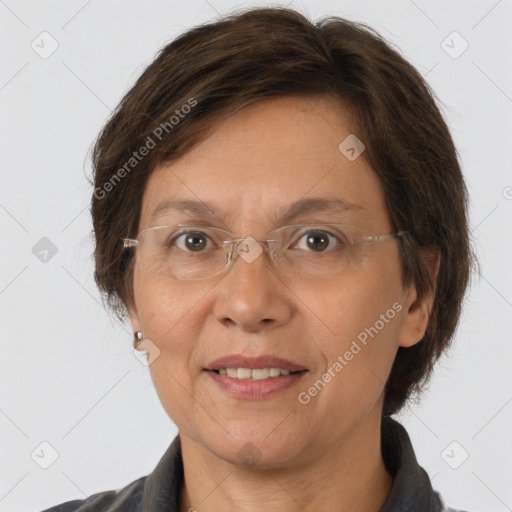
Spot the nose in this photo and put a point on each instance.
(252, 295)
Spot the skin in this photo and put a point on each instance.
(322, 456)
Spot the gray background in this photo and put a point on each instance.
(68, 375)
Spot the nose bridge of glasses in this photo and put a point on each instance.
(249, 248)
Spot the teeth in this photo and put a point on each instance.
(244, 373)
(253, 374)
(259, 373)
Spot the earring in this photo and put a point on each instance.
(138, 337)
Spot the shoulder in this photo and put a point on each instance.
(158, 490)
(126, 499)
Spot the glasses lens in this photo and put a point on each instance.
(198, 252)
(316, 251)
(183, 252)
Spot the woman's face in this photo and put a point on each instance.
(252, 169)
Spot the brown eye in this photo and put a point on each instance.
(318, 241)
(192, 241)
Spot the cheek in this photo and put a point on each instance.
(172, 316)
(162, 305)
(165, 311)
(356, 308)
(362, 317)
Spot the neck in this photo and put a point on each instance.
(348, 477)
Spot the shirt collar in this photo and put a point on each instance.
(411, 490)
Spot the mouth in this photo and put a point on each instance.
(254, 378)
(255, 374)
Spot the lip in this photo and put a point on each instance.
(254, 389)
(263, 361)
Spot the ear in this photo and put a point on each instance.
(417, 308)
(134, 316)
(136, 325)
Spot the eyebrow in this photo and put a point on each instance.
(303, 206)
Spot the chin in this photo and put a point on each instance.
(257, 446)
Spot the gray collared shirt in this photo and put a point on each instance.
(159, 491)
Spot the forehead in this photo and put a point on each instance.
(266, 158)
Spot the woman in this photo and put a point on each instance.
(280, 212)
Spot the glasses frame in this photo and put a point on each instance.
(235, 242)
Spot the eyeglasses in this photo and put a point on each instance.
(192, 252)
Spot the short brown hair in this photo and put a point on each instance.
(248, 56)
